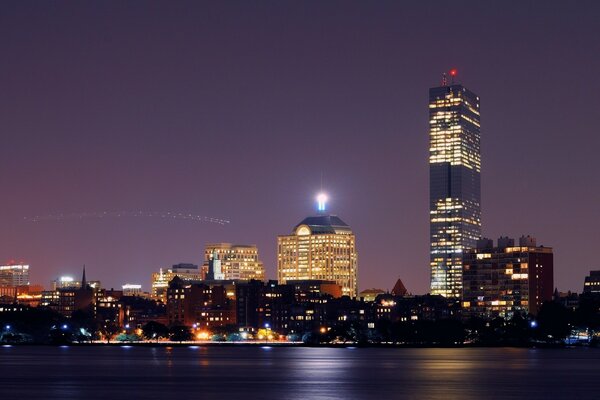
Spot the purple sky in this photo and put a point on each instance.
(235, 109)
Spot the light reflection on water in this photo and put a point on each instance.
(297, 373)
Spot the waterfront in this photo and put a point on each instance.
(100, 372)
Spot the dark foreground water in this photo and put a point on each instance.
(297, 373)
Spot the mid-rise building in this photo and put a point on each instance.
(592, 283)
(199, 305)
(322, 247)
(14, 275)
(83, 297)
(132, 289)
(161, 279)
(507, 279)
(68, 282)
(454, 182)
(233, 261)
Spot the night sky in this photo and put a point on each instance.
(235, 110)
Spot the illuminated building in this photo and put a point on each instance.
(317, 287)
(50, 299)
(233, 261)
(214, 270)
(138, 311)
(505, 280)
(592, 283)
(14, 275)
(67, 282)
(30, 295)
(370, 295)
(130, 289)
(322, 247)
(264, 304)
(73, 298)
(161, 279)
(198, 304)
(413, 308)
(454, 182)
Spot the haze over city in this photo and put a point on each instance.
(240, 112)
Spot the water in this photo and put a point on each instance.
(284, 373)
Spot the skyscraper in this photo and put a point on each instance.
(454, 182)
(322, 247)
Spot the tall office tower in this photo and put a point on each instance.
(232, 261)
(507, 279)
(14, 275)
(322, 247)
(454, 182)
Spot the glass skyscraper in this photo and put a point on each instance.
(454, 183)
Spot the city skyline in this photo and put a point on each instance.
(184, 116)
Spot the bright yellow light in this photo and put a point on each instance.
(323, 329)
(203, 335)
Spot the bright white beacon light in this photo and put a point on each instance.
(321, 201)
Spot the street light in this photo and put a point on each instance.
(268, 328)
(533, 324)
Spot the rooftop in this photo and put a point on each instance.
(325, 224)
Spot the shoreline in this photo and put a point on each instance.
(296, 344)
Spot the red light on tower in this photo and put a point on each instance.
(453, 72)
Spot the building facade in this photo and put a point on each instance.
(161, 279)
(322, 248)
(67, 282)
(199, 305)
(233, 261)
(592, 283)
(454, 183)
(505, 280)
(14, 275)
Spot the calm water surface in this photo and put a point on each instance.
(297, 373)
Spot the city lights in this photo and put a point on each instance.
(203, 335)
